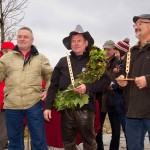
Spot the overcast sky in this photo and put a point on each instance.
(52, 20)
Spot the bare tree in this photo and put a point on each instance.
(11, 14)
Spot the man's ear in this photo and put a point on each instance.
(32, 39)
(87, 42)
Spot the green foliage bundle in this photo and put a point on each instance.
(95, 68)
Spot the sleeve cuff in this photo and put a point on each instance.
(148, 80)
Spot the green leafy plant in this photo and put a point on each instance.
(95, 68)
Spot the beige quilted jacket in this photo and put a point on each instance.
(23, 78)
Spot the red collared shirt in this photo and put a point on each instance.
(26, 55)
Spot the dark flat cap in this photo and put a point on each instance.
(144, 16)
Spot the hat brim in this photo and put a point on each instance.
(135, 18)
(86, 35)
(108, 47)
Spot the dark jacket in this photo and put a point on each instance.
(118, 98)
(108, 95)
(61, 80)
(138, 100)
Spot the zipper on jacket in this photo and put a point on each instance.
(26, 60)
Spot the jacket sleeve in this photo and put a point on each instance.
(100, 85)
(53, 88)
(46, 71)
(148, 80)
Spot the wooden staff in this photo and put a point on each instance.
(127, 67)
(128, 63)
(70, 70)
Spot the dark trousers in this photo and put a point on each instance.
(81, 121)
(3, 131)
(115, 126)
(122, 121)
(119, 106)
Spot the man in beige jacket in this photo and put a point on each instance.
(23, 70)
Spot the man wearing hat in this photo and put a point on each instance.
(106, 103)
(79, 119)
(5, 48)
(137, 92)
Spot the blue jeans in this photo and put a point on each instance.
(135, 132)
(15, 128)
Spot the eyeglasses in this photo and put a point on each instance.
(139, 23)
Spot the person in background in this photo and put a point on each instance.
(137, 92)
(106, 102)
(23, 70)
(79, 119)
(121, 48)
(5, 48)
